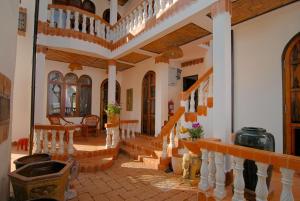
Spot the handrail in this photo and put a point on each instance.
(111, 125)
(171, 123)
(81, 11)
(185, 95)
(57, 127)
(276, 159)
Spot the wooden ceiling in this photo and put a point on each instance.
(68, 57)
(181, 36)
(134, 57)
(243, 10)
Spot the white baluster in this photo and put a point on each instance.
(200, 95)
(131, 21)
(92, 32)
(185, 104)
(287, 182)
(97, 27)
(53, 142)
(150, 9)
(172, 139)
(52, 18)
(163, 4)
(70, 145)
(60, 18)
(84, 23)
(128, 131)
(68, 20)
(261, 189)
(140, 15)
(144, 11)
(135, 21)
(192, 102)
(38, 141)
(203, 185)
(76, 24)
(239, 183)
(156, 7)
(127, 25)
(61, 142)
(108, 138)
(133, 130)
(210, 87)
(212, 169)
(123, 132)
(45, 142)
(115, 137)
(164, 147)
(219, 191)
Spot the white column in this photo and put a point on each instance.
(113, 11)
(222, 70)
(112, 74)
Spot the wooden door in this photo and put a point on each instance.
(148, 104)
(104, 100)
(291, 93)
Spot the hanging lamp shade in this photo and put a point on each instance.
(173, 53)
(75, 66)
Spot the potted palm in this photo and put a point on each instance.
(113, 113)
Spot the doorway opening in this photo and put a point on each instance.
(148, 103)
(104, 101)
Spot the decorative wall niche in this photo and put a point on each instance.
(5, 91)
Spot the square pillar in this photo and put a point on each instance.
(222, 69)
(112, 76)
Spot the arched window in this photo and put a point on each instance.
(85, 95)
(55, 89)
(71, 94)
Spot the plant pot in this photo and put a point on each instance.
(256, 138)
(177, 165)
(31, 159)
(114, 119)
(40, 180)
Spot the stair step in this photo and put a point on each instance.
(95, 164)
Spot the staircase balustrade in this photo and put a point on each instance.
(128, 129)
(42, 134)
(112, 135)
(286, 163)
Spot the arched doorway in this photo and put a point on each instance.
(148, 103)
(291, 94)
(104, 99)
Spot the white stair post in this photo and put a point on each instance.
(192, 102)
(165, 147)
(239, 183)
(212, 169)
(172, 139)
(108, 138)
(219, 191)
(70, 145)
(261, 189)
(287, 182)
(53, 142)
(204, 171)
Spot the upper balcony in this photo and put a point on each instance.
(70, 27)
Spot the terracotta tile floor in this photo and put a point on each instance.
(129, 180)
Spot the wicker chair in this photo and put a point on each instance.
(90, 124)
(57, 119)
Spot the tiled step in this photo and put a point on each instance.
(95, 164)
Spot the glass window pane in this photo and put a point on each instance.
(70, 102)
(85, 100)
(85, 80)
(55, 76)
(54, 97)
(71, 78)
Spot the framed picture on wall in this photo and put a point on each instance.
(129, 99)
(5, 92)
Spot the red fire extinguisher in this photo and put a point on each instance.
(171, 108)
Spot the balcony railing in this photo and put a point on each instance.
(70, 21)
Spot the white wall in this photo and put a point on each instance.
(133, 78)
(97, 76)
(258, 46)
(8, 38)
(23, 71)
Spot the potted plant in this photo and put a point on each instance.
(196, 131)
(113, 113)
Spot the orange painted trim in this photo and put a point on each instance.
(190, 117)
(162, 59)
(210, 102)
(165, 131)
(110, 125)
(202, 110)
(41, 49)
(221, 6)
(185, 95)
(129, 121)
(276, 159)
(192, 62)
(57, 127)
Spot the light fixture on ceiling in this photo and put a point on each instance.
(173, 53)
(75, 66)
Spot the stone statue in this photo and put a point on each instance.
(191, 165)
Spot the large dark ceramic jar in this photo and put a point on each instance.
(256, 138)
(89, 6)
(75, 3)
(31, 159)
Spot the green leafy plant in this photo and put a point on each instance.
(113, 109)
(197, 131)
